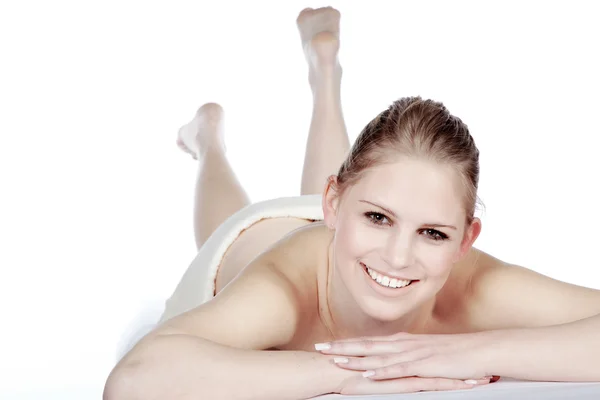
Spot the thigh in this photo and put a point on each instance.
(251, 243)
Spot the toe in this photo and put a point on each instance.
(303, 14)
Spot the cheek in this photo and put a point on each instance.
(437, 260)
(353, 242)
(352, 237)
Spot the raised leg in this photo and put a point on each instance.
(218, 192)
(328, 144)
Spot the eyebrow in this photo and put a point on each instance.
(435, 225)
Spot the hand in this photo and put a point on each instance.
(364, 386)
(404, 355)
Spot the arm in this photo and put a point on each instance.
(526, 326)
(186, 367)
(568, 352)
(539, 328)
(216, 350)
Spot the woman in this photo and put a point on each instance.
(372, 286)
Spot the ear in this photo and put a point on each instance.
(331, 201)
(469, 238)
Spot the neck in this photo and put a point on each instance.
(345, 319)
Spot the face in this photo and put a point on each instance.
(402, 221)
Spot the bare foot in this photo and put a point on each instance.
(203, 132)
(320, 35)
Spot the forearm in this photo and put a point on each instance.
(568, 352)
(182, 367)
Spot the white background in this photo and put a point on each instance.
(96, 199)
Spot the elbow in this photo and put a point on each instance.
(121, 384)
(134, 377)
(128, 379)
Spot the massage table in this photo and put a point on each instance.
(503, 389)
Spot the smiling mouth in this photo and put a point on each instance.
(386, 281)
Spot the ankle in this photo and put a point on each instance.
(325, 80)
(210, 150)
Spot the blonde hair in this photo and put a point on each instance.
(420, 128)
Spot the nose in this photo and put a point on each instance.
(399, 250)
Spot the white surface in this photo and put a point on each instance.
(73, 392)
(95, 202)
(501, 390)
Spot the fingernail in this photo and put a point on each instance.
(340, 360)
(471, 382)
(322, 346)
(367, 374)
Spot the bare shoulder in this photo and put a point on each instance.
(300, 252)
(502, 295)
(264, 305)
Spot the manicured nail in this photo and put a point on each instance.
(340, 360)
(471, 382)
(367, 374)
(322, 346)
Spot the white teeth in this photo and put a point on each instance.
(386, 280)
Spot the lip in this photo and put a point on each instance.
(385, 291)
(386, 274)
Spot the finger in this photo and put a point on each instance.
(397, 370)
(365, 347)
(396, 336)
(478, 382)
(420, 367)
(405, 385)
(431, 384)
(377, 362)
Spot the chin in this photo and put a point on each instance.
(391, 305)
(384, 312)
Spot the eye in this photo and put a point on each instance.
(434, 235)
(377, 218)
